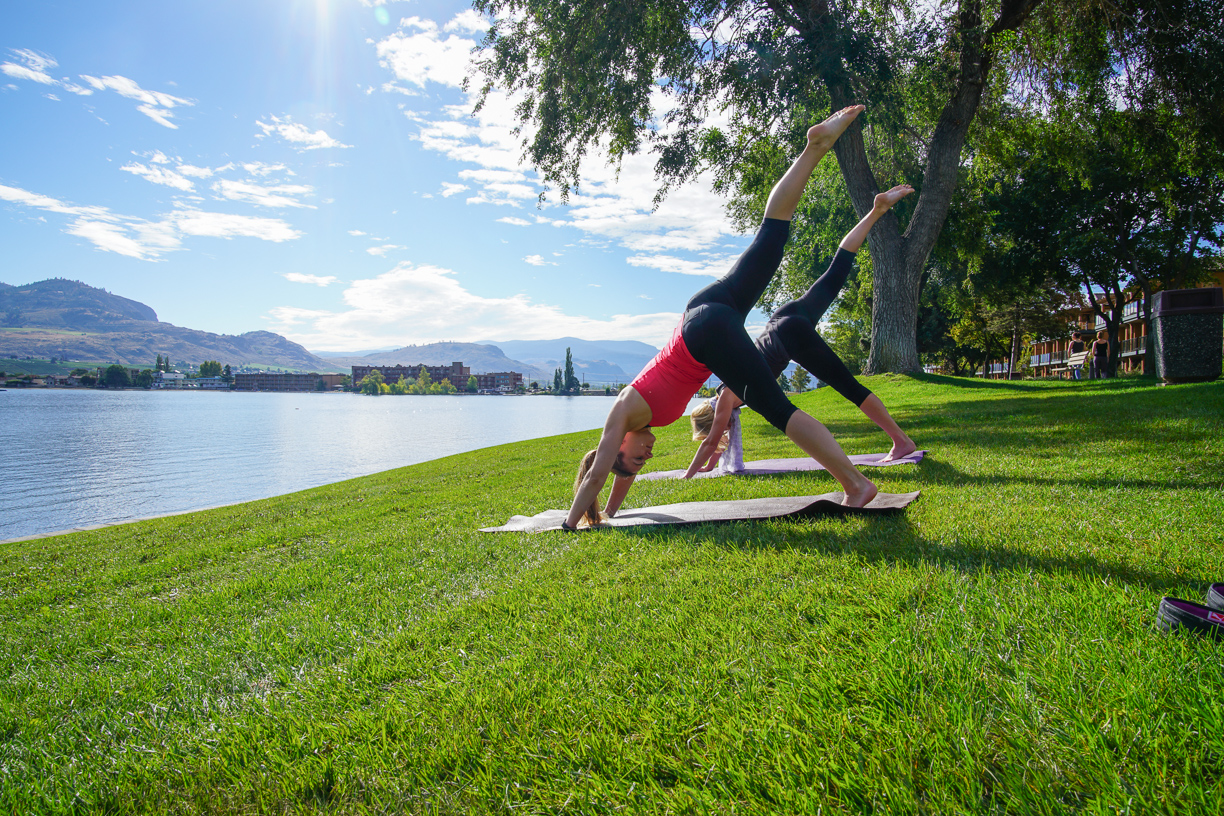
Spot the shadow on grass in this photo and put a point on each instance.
(1018, 425)
(1113, 384)
(893, 539)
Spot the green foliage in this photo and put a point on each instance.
(372, 383)
(472, 385)
(363, 648)
(572, 384)
(800, 380)
(783, 383)
(144, 379)
(116, 376)
(212, 368)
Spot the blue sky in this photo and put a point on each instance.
(312, 167)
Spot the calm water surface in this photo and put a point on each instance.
(76, 458)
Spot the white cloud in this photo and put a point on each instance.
(424, 56)
(518, 222)
(538, 260)
(419, 304)
(195, 172)
(154, 104)
(298, 134)
(35, 70)
(356, 232)
(611, 204)
(110, 237)
(468, 21)
(145, 239)
(381, 251)
(713, 267)
(225, 225)
(261, 169)
(316, 280)
(159, 175)
(279, 195)
(449, 189)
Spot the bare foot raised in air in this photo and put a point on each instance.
(826, 133)
(864, 490)
(885, 200)
(900, 450)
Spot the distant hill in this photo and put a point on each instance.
(618, 360)
(74, 321)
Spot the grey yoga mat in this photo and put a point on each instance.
(770, 467)
(711, 511)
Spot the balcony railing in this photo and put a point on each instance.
(1132, 345)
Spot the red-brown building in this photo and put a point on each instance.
(278, 381)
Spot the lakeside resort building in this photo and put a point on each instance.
(281, 381)
(1048, 356)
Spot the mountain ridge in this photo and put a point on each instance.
(72, 320)
(69, 319)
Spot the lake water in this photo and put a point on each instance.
(73, 458)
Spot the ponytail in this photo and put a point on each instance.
(593, 515)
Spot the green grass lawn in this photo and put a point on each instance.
(360, 647)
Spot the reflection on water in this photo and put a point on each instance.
(75, 458)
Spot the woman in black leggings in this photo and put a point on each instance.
(791, 335)
(711, 339)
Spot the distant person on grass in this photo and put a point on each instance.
(1077, 347)
(711, 339)
(1100, 356)
(791, 335)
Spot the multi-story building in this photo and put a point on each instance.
(276, 381)
(499, 381)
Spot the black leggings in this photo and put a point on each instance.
(794, 326)
(713, 326)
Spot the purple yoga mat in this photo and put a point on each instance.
(769, 467)
(713, 511)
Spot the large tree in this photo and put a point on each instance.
(622, 76)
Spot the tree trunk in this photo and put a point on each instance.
(1015, 353)
(898, 260)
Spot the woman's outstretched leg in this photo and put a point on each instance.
(745, 282)
(902, 445)
(816, 441)
(784, 197)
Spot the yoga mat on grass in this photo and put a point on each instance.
(713, 511)
(770, 467)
